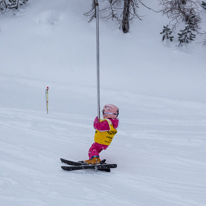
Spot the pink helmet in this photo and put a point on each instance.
(110, 111)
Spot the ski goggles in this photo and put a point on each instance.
(103, 112)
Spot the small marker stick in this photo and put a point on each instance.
(47, 99)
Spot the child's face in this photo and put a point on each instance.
(104, 116)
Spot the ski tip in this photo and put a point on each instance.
(66, 168)
(62, 167)
(103, 161)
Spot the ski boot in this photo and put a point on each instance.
(94, 160)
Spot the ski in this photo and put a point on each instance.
(78, 165)
(69, 162)
(95, 167)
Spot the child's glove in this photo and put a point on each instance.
(101, 126)
(96, 120)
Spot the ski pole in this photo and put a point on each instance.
(47, 98)
(97, 51)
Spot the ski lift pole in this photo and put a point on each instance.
(47, 99)
(97, 51)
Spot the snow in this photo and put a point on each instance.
(160, 147)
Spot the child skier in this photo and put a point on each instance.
(105, 131)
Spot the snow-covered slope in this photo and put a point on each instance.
(159, 88)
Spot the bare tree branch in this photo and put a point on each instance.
(122, 11)
(181, 11)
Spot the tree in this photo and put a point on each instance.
(187, 34)
(126, 16)
(92, 12)
(181, 11)
(122, 11)
(186, 11)
(10, 5)
(129, 13)
(166, 33)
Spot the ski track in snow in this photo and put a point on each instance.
(162, 164)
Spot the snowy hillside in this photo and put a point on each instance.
(160, 147)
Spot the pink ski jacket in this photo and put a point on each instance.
(104, 125)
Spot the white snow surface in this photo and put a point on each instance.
(160, 147)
